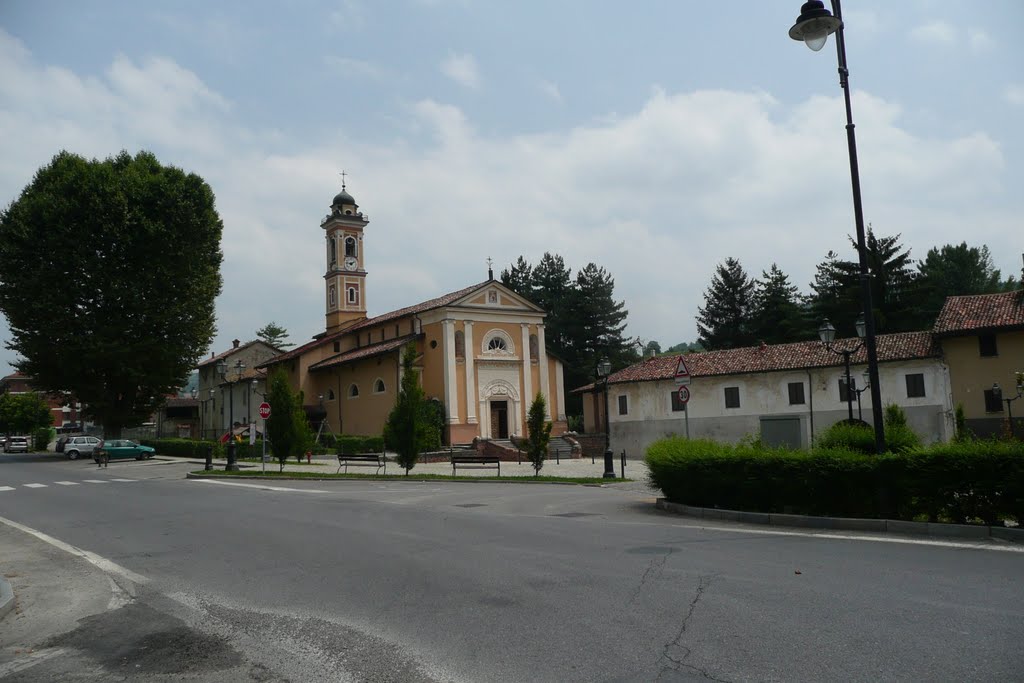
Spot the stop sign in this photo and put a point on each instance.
(264, 410)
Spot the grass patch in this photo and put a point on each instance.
(257, 474)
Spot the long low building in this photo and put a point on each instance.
(786, 393)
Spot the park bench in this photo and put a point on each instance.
(476, 462)
(362, 460)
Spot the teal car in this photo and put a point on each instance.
(121, 448)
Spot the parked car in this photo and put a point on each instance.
(122, 448)
(3, 442)
(77, 446)
(16, 444)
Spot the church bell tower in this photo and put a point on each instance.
(345, 279)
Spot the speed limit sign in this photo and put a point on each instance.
(684, 394)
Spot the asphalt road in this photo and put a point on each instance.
(175, 579)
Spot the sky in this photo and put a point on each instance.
(655, 139)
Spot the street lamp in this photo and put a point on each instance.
(195, 392)
(604, 368)
(867, 385)
(827, 333)
(222, 368)
(998, 393)
(813, 27)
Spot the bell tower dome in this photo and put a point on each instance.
(345, 279)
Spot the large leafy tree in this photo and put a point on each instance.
(724, 320)
(953, 270)
(410, 428)
(23, 413)
(777, 314)
(110, 273)
(275, 335)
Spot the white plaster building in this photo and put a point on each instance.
(787, 393)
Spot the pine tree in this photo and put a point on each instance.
(777, 316)
(538, 433)
(723, 321)
(954, 270)
(519, 278)
(287, 428)
(410, 427)
(275, 335)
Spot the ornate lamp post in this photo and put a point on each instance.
(867, 385)
(604, 368)
(998, 393)
(222, 368)
(827, 333)
(813, 27)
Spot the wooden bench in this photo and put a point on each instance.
(362, 459)
(476, 462)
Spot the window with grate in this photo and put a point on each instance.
(623, 405)
(915, 385)
(732, 397)
(677, 405)
(796, 393)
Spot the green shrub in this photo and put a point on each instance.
(350, 443)
(894, 416)
(848, 436)
(979, 481)
(42, 437)
(963, 432)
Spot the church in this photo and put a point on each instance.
(480, 350)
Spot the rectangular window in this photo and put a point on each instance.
(993, 404)
(844, 393)
(677, 405)
(796, 393)
(987, 345)
(915, 385)
(732, 397)
(623, 407)
(337, 347)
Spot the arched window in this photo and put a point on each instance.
(378, 386)
(333, 297)
(333, 249)
(353, 391)
(330, 394)
(460, 344)
(353, 295)
(497, 344)
(350, 246)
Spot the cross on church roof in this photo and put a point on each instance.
(343, 174)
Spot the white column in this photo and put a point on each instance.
(542, 355)
(451, 393)
(472, 396)
(527, 394)
(560, 390)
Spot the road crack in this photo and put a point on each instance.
(675, 653)
(653, 571)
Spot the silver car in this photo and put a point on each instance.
(79, 446)
(16, 444)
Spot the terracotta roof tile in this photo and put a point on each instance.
(363, 352)
(980, 312)
(775, 357)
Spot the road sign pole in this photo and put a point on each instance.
(264, 446)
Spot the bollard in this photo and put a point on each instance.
(209, 458)
(623, 463)
(232, 465)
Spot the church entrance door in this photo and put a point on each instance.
(499, 419)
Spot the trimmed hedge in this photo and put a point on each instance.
(184, 448)
(979, 481)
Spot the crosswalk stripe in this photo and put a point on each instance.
(35, 486)
(66, 483)
(123, 480)
(96, 481)
(6, 488)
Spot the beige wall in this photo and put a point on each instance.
(971, 373)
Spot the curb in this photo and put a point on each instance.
(892, 526)
(413, 478)
(6, 597)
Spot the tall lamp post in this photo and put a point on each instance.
(827, 333)
(195, 393)
(998, 393)
(604, 368)
(222, 368)
(813, 26)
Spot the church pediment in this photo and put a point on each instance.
(496, 296)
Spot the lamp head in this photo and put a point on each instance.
(861, 327)
(867, 378)
(996, 391)
(194, 392)
(814, 25)
(222, 367)
(604, 366)
(826, 332)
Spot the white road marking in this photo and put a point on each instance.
(6, 488)
(96, 481)
(123, 480)
(29, 660)
(66, 483)
(103, 563)
(262, 487)
(35, 486)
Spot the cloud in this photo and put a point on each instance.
(659, 194)
(348, 15)
(978, 40)
(551, 90)
(462, 69)
(936, 32)
(1014, 94)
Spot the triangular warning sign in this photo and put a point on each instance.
(682, 372)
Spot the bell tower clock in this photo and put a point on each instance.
(345, 279)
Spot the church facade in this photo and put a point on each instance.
(480, 350)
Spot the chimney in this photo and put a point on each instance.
(235, 343)
(763, 345)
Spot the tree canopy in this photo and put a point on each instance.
(112, 295)
(275, 335)
(23, 413)
(723, 322)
